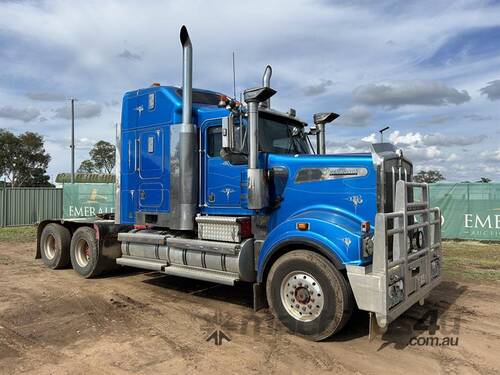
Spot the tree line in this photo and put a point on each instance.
(24, 160)
(432, 176)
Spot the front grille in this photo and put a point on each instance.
(394, 170)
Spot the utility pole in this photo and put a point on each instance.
(72, 140)
(381, 131)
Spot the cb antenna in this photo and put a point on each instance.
(234, 78)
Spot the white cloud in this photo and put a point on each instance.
(405, 139)
(127, 55)
(319, 88)
(313, 49)
(356, 116)
(21, 114)
(492, 90)
(372, 138)
(491, 155)
(46, 96)
(415, 92)
(87, 109)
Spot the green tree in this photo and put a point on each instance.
(38, 178)
(9, 143)
(87, 166)
(429, 176)
(102, 156)
(23, 160)
(485, 180)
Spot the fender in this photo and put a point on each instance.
(336, 236)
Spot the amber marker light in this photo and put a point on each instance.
(365, 226)
(303, 226)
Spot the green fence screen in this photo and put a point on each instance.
(81, 200)
(469, 210)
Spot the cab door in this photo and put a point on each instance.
(152, 148)
(151, 168)
(222, 179)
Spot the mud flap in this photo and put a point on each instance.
(374, 329)
(259, 297)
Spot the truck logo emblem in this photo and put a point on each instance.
(327, 174)
(228, 192)
(356, 200)
(347, 242)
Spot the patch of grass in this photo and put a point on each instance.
(471, 260)
(18, 234)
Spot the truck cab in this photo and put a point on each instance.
(218, 190)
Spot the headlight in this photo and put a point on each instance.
(396, 293)
(419, 239)
(367, 247)
(435, 268)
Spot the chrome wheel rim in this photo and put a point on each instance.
(302, 296)
(50, 247)
(82, 253)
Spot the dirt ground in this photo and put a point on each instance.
(143, 322)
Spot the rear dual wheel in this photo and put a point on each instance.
(54, 246)
(58, 248)
(309, 295)
(84, 251)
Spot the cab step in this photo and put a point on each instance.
(147, 264)
(220, 277)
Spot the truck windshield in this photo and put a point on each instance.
(277, 135)
(281, 136)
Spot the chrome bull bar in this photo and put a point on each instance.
(401, 273)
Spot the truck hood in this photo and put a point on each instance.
(344, 183)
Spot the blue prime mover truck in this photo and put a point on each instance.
(213, 189)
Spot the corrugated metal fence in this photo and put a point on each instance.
(28, 205)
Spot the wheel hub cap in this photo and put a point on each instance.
(50, 247)
(82, 253)
(302, 296)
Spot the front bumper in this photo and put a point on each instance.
(398, 277)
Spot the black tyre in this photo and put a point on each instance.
(54, 246)
(84, 252)
(308, 295)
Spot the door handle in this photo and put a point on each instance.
(136, 152)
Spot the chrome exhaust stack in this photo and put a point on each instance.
(266, 82)
(320, 119)
(258, 192)
(188, 188)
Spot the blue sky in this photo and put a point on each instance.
(428, 69)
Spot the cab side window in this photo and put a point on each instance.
(214, 141)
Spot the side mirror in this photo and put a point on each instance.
(320, 119)
(233, 141)
(228, 132)
(324, 117)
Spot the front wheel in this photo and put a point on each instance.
(309, 295)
